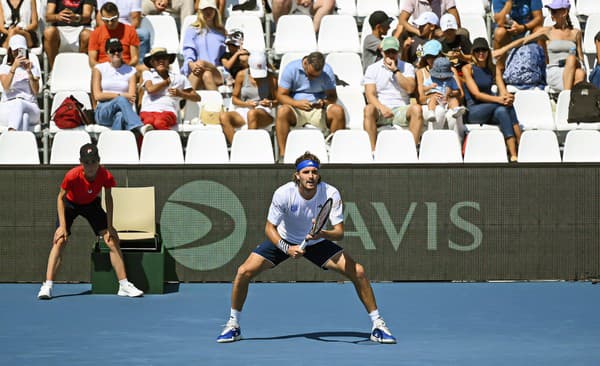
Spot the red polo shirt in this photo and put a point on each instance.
(124, 32)
(81, 191)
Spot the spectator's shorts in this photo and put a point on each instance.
(399, 117)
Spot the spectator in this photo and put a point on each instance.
(113, 86)
(203, 47)
(427, 22)
(563, 45)
(112, 28)
(253, 96)
(130, 13)
(317, 9)
(595, 74)
(236, 57)
(179, 9)
(307, 95)
(416, 8)
(484, 106)
(164, 90)
(380, 25)
(21, 83)
(220, 4)
(388, 85)
(68, 27)
(457, 47)
(22, 19)
(514, 18)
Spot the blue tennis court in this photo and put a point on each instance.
(535, 323)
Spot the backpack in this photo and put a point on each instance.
(584, 105)
(69, 114)
(526, 67)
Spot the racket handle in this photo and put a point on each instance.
(303, 244)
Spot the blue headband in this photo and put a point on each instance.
(306, 163)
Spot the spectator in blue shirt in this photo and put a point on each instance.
(307, 95)
(514, 18)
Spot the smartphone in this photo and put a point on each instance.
(22, 52)
(315, 104)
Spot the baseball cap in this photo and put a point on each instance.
(390, 43)
(427, 17)
(17, 41)
(113, 44)
(208, 4)
(380, 17)
(432, 48)
(479, 43)
(235, 37)
(88, 153)
(257, 63)
(448, 21)
(559, 4)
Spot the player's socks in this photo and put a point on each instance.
(123, 282)
(235, 315)
(374, 315)
(49, 283)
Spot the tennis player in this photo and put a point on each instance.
(79, 195)
(293, 208)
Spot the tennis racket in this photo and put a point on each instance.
(320, 220)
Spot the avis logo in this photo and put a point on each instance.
(203, 225)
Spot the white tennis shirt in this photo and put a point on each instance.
(293, 215)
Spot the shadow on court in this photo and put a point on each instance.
(334, 337)
(83, 293)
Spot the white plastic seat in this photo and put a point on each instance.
(66, 145)
(485, 146)
(286, 59)
(118, 147)
(592, 26)
(347, 67)
(534, 110)
(395, 146)
(539, 146)
(161, 147)
(80, 95)
(206, 147)
(350, 147)
(191, 112)
(440, 146)
(582, 146)
(470, 7)
(476, 26)
(163, 31)
(251, 147)
(185, 23)
(301, 140)
(295, 33)
(71, 71)
(254, 36)
(332, 26)
(353, 102)
(346, 7)
(562, 115)
(366, 7)
(587, 7)
(18, 147)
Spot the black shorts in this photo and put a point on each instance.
(92, 212)
(318, 253)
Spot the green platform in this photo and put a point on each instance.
(145, 269)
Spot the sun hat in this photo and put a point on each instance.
(155, 52)
(441, 69)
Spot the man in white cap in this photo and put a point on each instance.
(427, 24)
(456, 46)
(416, 8)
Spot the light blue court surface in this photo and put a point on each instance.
(549, 323)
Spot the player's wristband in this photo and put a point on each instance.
(283, 246)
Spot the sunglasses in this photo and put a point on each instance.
(111, 19)
(115, 51)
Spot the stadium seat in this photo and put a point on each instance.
(582, 146)
(163, 31)
(562, 115)
(66, 145)
(302, 140)
(251, 147)
(118, 147)
(295, 33)
(470, 7)
(475, 24)
(485, 146)
(347, 67)
(366, 7)
(71, 72)
(332, 26)
(592, 26)
(134, 214)
(353, 101)
(539, 146)
(206, 147)
(18, 147)
(254, 36)
(346, 7)
(586, 8)
(80, 95)
(350, 147)
(161, 147)
(191, 113)
(185, 23)
(440, 146)
(395, 146)
(286, 59)
(539, 117)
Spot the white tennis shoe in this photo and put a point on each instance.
(129, 290)
(381, 333)
(45, 292)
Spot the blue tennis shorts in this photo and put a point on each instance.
(93, 212)
(318, 253)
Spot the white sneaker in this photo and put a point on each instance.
(129, 290)
(381, 333)
(458, 111)
(429, 115)
(146, 128)
(230, 333)
(45, 292)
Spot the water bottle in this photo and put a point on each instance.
(227, 88)
(573, 51)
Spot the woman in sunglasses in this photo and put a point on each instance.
(113, 86)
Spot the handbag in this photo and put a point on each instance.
(209, 114)
(70, 114)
